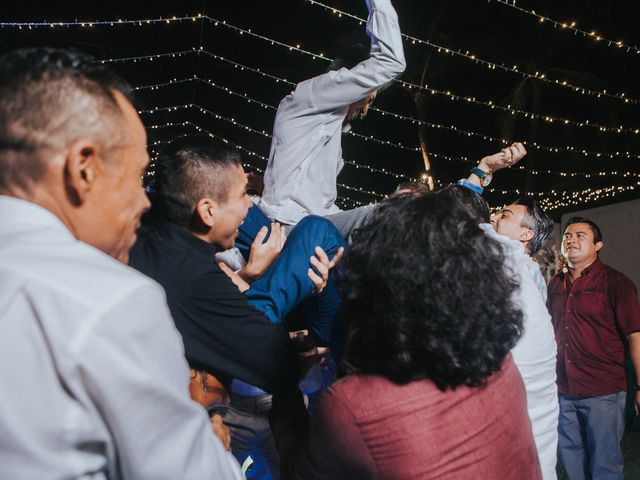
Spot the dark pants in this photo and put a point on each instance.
(252, 441)
(589, 434)
(286, 283)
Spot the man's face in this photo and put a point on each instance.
(361, 107)
(119, 198)
(578, 245)
(508, 222)
(230, 213)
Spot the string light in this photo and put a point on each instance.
(489, 138)
(563, 121)
(571, 27)
(491, 65)
(548, 148)
(568, 198)
(490, 104)
(98, 23)
(149, 57)
(398, 145)
(575, 197)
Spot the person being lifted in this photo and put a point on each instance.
(306, 152)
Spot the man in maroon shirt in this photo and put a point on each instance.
(596, 317)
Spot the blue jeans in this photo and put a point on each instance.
(286, 284)
(589, 433)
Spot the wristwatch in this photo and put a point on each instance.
(485, 177)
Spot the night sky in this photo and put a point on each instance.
(489, 30)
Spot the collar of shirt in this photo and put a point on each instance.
(592, 269)
(17, 215)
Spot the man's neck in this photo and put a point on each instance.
(576, 269)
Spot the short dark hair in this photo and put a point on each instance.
(477, 205)
(597, 234)
(50, 97)
(190, 168)
(537, 221)
(415, 286)
(349, 57)
(412, 187)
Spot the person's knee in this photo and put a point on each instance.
(321, 229)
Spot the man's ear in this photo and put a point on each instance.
(82, 167)
(207, 210)
(599, 245)
(526, 235)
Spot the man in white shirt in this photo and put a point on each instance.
(94, 380)
(535, 352)
(306, 151)
(525, 222)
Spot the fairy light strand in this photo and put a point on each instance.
(571, 27)
(451, 128)
(397, 145)
(489, 104)
(99, 23)
(568, 198)
(489, 64)
(485, 103)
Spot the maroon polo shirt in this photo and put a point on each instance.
(592, 318)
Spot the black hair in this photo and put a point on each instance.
(349, 57)
(477, 205)
(190, 168)
(50, 97)
(537, 221)
(597, 234)
(411, 187)
(419, 290)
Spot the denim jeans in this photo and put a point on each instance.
(589, 433)
(286, 284)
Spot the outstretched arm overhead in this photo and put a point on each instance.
(340, 88)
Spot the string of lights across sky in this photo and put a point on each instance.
(607, 191)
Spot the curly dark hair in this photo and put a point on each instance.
(426, 296)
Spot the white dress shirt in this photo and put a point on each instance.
(92, 370)
(306, 151)
(534, 354)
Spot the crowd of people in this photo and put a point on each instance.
(221, 335)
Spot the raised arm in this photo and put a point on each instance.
(340, 88)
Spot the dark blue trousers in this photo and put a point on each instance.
(589, 433)
(286, 284)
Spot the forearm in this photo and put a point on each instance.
(634, 352)
(384, 29)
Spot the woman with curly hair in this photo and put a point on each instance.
(433, 392)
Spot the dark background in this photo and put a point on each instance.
(487, 29)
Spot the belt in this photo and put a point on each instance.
(254, 404)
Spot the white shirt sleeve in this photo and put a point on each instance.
(135, 373)
(340, 88)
